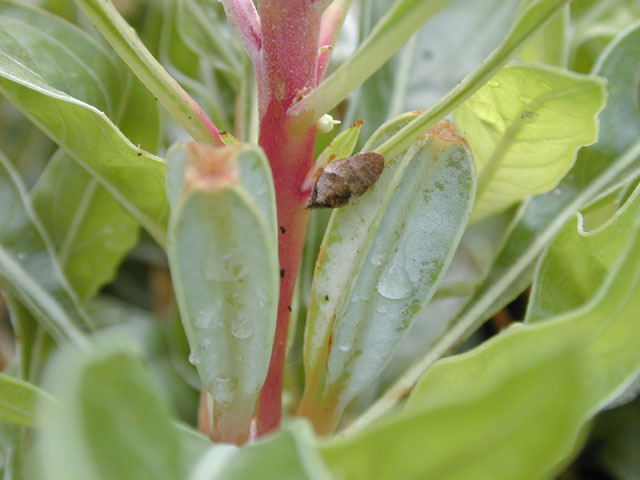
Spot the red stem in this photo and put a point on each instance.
(287, 68)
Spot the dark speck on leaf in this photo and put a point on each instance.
(283, 230)
(282, 273)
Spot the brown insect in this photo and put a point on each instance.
(344, 179)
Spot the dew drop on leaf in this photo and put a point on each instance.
(194, 359)
(241, 328)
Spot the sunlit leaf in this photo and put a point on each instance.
(524, 128)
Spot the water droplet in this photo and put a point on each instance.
(382, 308)
(377, 258)
(262, 301)
(394, 282)
(227, 267)
(346, 346)
(493, 83)
(21, 256)
(524, 99)
(203, 321)
(241, 328)
(194, 359)
(224, 389)
(205, 344)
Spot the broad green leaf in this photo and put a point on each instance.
(512, 429)
(28, 266)
(577, 261)
(524, 128)
(605, 329)
(382, 258)
(223, 257)
(19, 401)
(31, 78)
(90, 230)
(110, 424)
(613, 159)
(289, 454)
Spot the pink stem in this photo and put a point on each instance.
(244, 19)
(287, 69)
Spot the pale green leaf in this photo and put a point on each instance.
(28, 266)
(224, 265)
(604, 330)
(90, 230)
(19, 401)
(513, 429)
(577, 261)
(290, 454)
(382, 258)
(524, 128)
(551, 44)
(31, 78)
(110, 423)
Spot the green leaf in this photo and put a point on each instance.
(512, 429)
(524, 128)
(381, 260)
(289, 454)
(31, 78)
(223, 257)
(577, 261)
(614, 159)
(151, 73)
(19, 401)
(452, 44)
(496, 402)
(111, 423)
(531, 18)
(403, 19)
(90, 230)
(203, 26)
(551, 44)
(28, 266)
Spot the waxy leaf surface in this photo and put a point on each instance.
(381, 259)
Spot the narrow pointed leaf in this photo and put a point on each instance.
(381, 259)
(34, 46)
(19, 401)
(524, 128)
(223, 258)
(28, 266)
(90, 230)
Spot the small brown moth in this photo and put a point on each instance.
(345, 178)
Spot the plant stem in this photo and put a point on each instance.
(286, 68)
